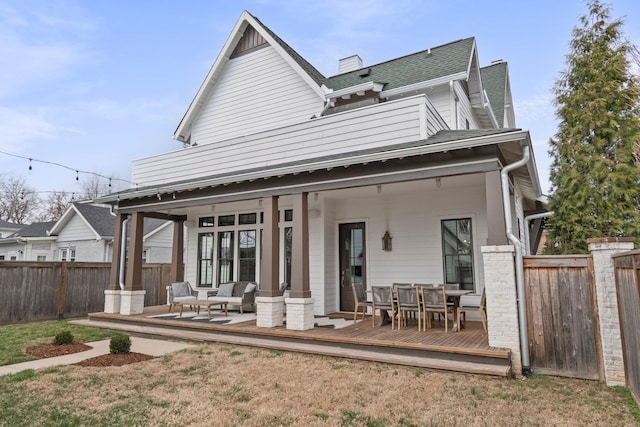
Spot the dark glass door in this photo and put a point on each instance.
(352, 261)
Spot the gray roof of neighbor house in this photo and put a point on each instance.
(37, 229)
(6, 224)
(440, 61)
(494, 80)
(103, 222)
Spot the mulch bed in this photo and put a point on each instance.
(52, 350)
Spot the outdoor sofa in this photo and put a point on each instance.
(242, 294)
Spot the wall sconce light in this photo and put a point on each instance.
(386, 242)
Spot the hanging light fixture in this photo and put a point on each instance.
(386, 242)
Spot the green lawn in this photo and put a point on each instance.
(15, 338)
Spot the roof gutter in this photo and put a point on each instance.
(123, 252)
(522, 312)
(527, 219)
(361, 88)
(462, 75)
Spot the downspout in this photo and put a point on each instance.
(522, 311)
(123, 252)
(527, 238)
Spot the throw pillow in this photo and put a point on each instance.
(180, 289)
(225, 289)
(250, 288)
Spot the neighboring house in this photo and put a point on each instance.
(7, 228)
(83, 233)
(29, 243)
(290, 176)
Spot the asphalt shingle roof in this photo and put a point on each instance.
(6, 224)
(494, 80)
(98, 217)
(37, 229)
(418, 67)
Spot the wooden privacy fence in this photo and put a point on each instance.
(50, 290)
(627, 268)
(562, 319)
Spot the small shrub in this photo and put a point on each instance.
(64, 337)
(120, 344)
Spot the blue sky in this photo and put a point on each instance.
(95, 84)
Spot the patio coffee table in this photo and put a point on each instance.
(204, 303)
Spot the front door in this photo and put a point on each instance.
(352, 262)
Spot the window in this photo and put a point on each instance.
(247, 255)
(225, 256)
(288, 215)
(226, 220)
(457, 248)
(14, 258)
(41, 258)
(206, 222)
(67, 254)
(205, 259)
(288, 244)
(145, 255)
(1, 257)
(249, 218)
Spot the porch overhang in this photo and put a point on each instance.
(444, 154)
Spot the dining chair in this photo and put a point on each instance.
(382, 300)
(434, 300)
(408, 300)
(360, 299)
(481, 309)
(402, 285)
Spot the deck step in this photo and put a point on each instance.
(407, 357)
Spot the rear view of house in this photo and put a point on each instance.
(381, 173)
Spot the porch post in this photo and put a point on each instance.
(602, 249)
(176, 273)
(300, 303)
(270, 303)
(112, 293)
(495, 209)
(132, 301)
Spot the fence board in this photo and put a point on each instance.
(32, 291)
(627, 268)
(561, 316)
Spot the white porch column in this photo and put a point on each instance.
(112, 301)
(300, 313)
(502, 302)
(607, 301)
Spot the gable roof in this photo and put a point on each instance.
(36, 229)
(98, 219)
(494, 79)
(7, 224)
(451, 59)
(304, 69)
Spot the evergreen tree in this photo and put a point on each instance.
(595, 182)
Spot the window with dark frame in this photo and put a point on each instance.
(226, 220)
(207, 221)
(457, 251)
(247, 255)
(225, 256)
(205, 259)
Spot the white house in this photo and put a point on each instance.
(83, 233)
(288, 175)
(7, 228)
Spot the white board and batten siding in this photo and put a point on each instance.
(257, 91)
(380, 125)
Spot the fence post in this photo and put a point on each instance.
(62, 289)
(605, 280)
(502, 303)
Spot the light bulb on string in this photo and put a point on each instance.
(77, 178)
(30, 167)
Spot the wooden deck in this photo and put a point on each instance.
(466, 351)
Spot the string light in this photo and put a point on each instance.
(77, 171)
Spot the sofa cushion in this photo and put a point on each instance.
(250, 288)
(238, 289)
(230, 300)
(225, 289)
(183, 299)
(180, 289)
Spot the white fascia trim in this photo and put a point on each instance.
(59, 225)
(487, 106)
(363, 87)
(424, 85)
(325, 164)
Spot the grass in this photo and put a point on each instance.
(240, 386)
(15, 338)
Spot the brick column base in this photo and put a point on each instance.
(132, 302)
(269, 312)
(300, 314)
(111, 301)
